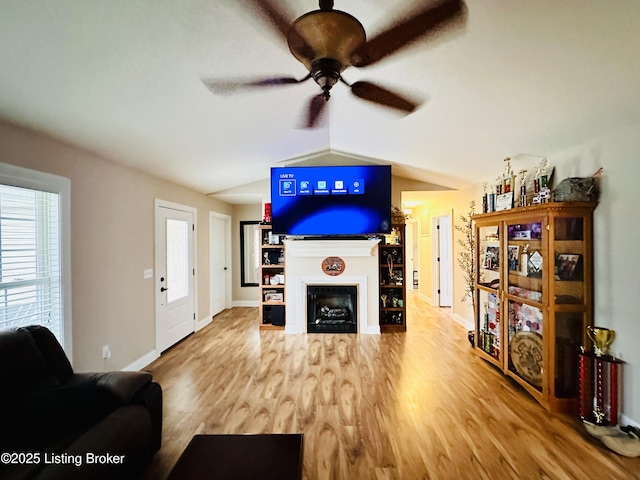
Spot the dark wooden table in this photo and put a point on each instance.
(241, 457)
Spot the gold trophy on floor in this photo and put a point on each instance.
(602, 339)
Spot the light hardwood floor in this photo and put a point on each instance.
(414, 405)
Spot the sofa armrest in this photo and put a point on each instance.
(116, 389)
(122, 387)
(151, 397)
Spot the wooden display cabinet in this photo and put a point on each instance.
(393, 280)
(534, 296)
(272, 280)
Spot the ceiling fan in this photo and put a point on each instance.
(327, 41)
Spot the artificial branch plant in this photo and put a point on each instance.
(467, 253)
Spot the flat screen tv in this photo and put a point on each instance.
(331, 200)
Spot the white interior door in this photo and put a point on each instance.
(220, 255)
(443, 264)
(175, 297)
(446, 261)
(409, 253)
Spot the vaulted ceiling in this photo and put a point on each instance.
(124, 78)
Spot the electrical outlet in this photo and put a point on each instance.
(106, 353)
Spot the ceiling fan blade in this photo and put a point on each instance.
(315, 110)
(280, 20)
(227, 86)
(382, 96)
(429, 20)
(275, 16)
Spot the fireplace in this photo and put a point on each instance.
(332, 309)
(304, 260)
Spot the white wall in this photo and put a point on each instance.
(112, 243)
(242, 296)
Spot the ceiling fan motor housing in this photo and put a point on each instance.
(333, 36)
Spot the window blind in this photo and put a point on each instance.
(30, 269)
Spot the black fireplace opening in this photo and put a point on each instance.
(332, 309)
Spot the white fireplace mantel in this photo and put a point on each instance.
(303, 260)
(324, 248)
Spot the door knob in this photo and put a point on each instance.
(162, 289)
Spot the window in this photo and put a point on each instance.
(34, 286)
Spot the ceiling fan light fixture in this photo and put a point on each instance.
(326, 72)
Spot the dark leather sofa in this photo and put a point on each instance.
(57, 424)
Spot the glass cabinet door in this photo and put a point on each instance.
(525, 271)
(569, 261)
(489, 263)
(489, 323)
(569, 291)
(488, 281)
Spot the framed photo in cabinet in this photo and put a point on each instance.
(514, 255)
(491, 256)
(568, 266)
(535, 263)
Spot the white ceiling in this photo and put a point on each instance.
(123, 78)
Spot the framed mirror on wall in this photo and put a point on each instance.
(249, 253)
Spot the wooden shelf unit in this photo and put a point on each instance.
(272, 266)
(391, 254)
(534, 296)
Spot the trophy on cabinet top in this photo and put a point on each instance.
(523, 188)
(485, 198)
(602, 339)
(508, 179)
(544, 177)
(541, 183)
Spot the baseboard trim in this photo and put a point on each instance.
(624, 421)
(372, 330)
(245, 303)
(142, 362)
(468, 324)
(426, 298)
(149, 357)
(200, 324)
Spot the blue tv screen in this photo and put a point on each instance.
(331, 201)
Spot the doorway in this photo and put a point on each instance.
(219, 261)
(175, 272)
(443, 260)
(412, 254)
